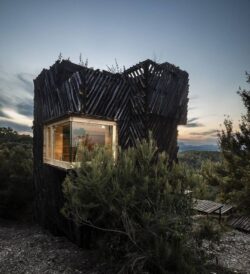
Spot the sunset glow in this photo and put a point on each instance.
(208, 39)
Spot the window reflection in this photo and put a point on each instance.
(47, 143)
(86, 135)
(64, 141)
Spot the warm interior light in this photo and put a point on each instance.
(65, 140)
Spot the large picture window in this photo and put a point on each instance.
(65, 140)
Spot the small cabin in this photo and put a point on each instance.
(76, 105)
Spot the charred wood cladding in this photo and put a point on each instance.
(112, 108)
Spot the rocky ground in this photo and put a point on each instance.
(233, 251)
(28, 249)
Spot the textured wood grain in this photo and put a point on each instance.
(147, 96)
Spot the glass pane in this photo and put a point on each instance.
(47, 143)
(44, 142)
(87, 135)
(62, 142)
(48, 151)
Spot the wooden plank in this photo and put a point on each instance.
(147, 96)
(241, 223)
(206, 206)
(225, 209)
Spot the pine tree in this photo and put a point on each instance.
(234, 172)
(15, 173)
(136, 207)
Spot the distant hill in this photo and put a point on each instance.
(195, 159)
(189, 147)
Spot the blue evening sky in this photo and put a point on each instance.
(208, 39)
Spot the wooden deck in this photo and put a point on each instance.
(241, 223)
(209, 207)
(206, 206)
(225, 209)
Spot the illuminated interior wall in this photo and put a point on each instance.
(70, 138)
(62, 142)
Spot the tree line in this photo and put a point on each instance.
(16, 173)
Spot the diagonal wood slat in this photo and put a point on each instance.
(147, 96)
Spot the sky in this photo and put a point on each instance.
(208, 39)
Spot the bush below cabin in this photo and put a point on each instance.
(137, 209)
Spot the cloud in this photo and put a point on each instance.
(206, 133)
(4, 115)
(193, 119)
(193, 122)
(21, 106)
(3, 99)
(3, 103)
(16, 100)
(20, 84)
(194, 125)
(16, 117)
(25, 108)
(26, 80)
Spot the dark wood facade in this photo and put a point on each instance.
(147, 96)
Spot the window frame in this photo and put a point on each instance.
(49, 148)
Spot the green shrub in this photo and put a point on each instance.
(15, 174)
(231, 177)
(137, 207)
(207, 229)
(195, 159)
